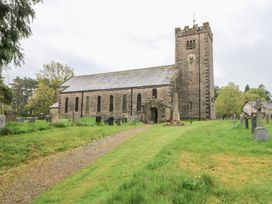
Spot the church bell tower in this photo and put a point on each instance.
(195, 79)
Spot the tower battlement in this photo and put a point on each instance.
(187, 30)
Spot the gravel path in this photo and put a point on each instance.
(29, 181)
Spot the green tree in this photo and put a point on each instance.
(15, 19)
(5, 95)
(216, 92)
(247, 87)
(54, 74)
(42, 98)
(255, 93)
(229, 101)
(22, 89)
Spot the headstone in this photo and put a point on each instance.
(246, 122)
(98, 119)
(55, 117)
(167, 114)
(2, 121)
(124, 120)
(253, 123)
(118, 121)
(47, 118)
(10, 116)
(111, 121)
(75, 117)
(261, 133)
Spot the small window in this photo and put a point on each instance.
(111, 103)
(98, 103)
(76, 106)
(124, 104)
(139, 102)
(190, 105)
(154, 93)
(87, 108)
(66, 104)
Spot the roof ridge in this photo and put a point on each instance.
(111, 72)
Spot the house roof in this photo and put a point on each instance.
(153, 76)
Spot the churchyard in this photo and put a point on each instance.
(203, 162)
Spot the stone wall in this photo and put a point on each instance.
(164, 94)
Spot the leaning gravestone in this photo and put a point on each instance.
(261, 133)
(2, 121)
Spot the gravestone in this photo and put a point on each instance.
(118, 121)
(10, 116)
(124, 120)
(253, 123)
(2, 121)
(246, 122)
(98, 119)
(261, 133)
(111, 121)
(32, 120)
(75, 117)
(55, 117)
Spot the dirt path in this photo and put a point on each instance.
(28, 182)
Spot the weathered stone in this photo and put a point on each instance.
(261, 134)
(176, 116)
(253, 123)
(246, 122)
(10, 116)
(2, 121)
(75, 117)
(55, 117)
(267, 117)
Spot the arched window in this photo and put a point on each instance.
(154, 93)
(66, 104)
(98, 103)
(124, 104)
(139, 102)
(76, 105)
(87, 108)
(111, 103)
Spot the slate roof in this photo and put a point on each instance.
(153, 76)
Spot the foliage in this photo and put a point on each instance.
(230, 101)
(16, 149)
(247, 87)
(54, 74)
(216, 91)
(15, 18)
(42, 98)
(24, 127)
(125, 176)
(5, 93)
(22, 90)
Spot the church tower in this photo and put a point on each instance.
(195, 79)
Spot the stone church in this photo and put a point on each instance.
(149, 94)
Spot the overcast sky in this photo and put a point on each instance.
(94, 36)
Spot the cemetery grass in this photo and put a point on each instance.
(208, 162)
(18, 149)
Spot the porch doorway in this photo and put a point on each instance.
(154, 115)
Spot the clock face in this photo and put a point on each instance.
(191, 58)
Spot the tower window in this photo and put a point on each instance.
(139, 102)
(76, 106)
(66, 105)
(190, 44)
(154, 93)
(98, 103)
(124, 104)
(111, 103)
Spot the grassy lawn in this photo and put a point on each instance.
(208, 162)
(16, 149)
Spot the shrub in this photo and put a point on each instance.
(59, 125)
(5, 131)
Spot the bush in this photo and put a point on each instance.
(5, 131)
